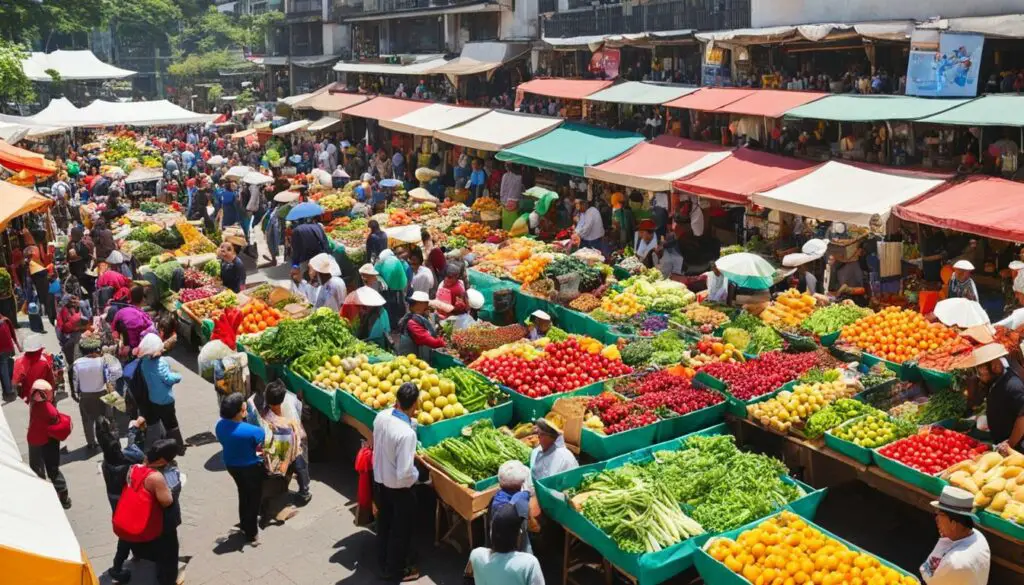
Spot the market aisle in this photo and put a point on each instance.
(320, 545)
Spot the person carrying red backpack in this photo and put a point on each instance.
(148, 514)
(47, 427)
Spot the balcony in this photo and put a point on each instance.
(547, 6)
(299, 9)
(347, 8)
(609, 19)
(385, 6)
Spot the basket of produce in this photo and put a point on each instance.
(536, 376)
(755, 378)
(920, 458)
(857, 437)
(789, 309)
(883, 336)
(210, 307)
(639, 410)
(631, 508)
(832, 416)
(795, 403)
(827, 322)
(476, 339)
(997, 482)
(820, 551)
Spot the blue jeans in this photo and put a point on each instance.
(302, 474)
(6, 369)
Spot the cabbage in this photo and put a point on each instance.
(739, 338)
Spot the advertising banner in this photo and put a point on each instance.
(949, 69)
(605, 62)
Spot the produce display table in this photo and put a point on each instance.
(825, 467)
(325, 401)
(456, 503)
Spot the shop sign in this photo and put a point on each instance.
(949, 69)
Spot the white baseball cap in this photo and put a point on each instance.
(420, 297)
(541, 315)
(963, 265)
(475, 298)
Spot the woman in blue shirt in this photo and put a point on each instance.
(226, 202)
(242, 443)
(477, 180)
(160, 381)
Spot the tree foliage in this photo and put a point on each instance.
(211, 41)
(15, 86)
(197, 65)
(25, 20)
(144, 20)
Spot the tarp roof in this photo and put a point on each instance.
(638, 92)
(425, 121)
(710, 98)
(155, 113)
(56, 112)
(19, 159)
(739, 176)
(420, 65)
(497, 130)
(16, 201)
(323, 124)
(989, 110)
(331, 102)
(595, 41)
(71, 65)
(771, 103)
(570, 89)
(839, 192)
(870, 108)
(291, 127)
(985, 206)
(896, 30)
(294, 99)
(1007, 26)
(385, 108)
(142, 174)
(652, 166)
(12, 133)
(571, 147)
(482, 57)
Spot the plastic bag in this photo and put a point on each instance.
(211, 353)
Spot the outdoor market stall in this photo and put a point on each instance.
(497, 130)
(432, 118)
(618, 102)
(573, 91)
(570, 148)
(652, 166)
(742, 174)
(985, 206)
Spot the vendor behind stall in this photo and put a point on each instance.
(365, 307)
(589, 227)
(717, 286)
(329, 289)
(805, 262)
(232, 272)
(417, 335)
(550, 457)
(961, 285)
(469, 318)
(645, 245)
(1003, 392)
(622, 220)
(540, 324)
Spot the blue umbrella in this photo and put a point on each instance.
(304, 210)
(390, 183)
(295, 158)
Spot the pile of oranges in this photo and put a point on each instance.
(257, 316)
(786, 549)
(531, 268)
(897, 335)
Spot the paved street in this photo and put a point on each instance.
(319, 545)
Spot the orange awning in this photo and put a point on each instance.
(385, 108)
(332, 102)
(18, 159)
(710, 98)
(744, 173)
(16, 201)
(772, 103)
(569, 89)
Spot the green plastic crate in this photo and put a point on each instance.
(433, 434)
(829, 339)
(714, 572)
(258, 366)
(648, 568)
(851, 450)
(602, 447)
(692, 422)
(325, 401)
(528, 409)
(929, 483)
(997, 523)
(871, 360)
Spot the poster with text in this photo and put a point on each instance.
(951, 71)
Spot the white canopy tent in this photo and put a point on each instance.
(292, 127)
(323, 124)
(498, 130)
(155, 113)
(56, 112)
(71, 65)
(846, 193)
(420, 65)
(425, 121)
(482, 57)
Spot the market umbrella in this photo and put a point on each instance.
(812, 250)
(304, 210)
(255, 178)
(960, 313)
(747, 270)
(237, 172)
(390, 183)
(216, 160)
(539, 192)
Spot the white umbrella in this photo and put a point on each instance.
(961, 313)
(747, 270)
(255, 178)
(216, 160)
(238, 172)
(812, 250)
(322, 176)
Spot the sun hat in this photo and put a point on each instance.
(963, 265)
(954, 500)
(151, 345)
(322, 264)
(987, 353)
(368, 270)
(475, 298)
(33, 343)
(236, 240)
(286, 196)
(115, 257)
(812, 250)
(420, 297)
(44, 388)
(1016, 265)
(366, 297)
(546, 428)
(541, 315)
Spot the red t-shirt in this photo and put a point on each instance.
(29, 367)
(43, 420)
(7, 335)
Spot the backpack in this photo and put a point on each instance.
(138, 516)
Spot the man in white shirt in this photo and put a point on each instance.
(422, 277)
(331, 291)
(91, 376)
(394, 474)
(589, 228)
(962, 556)
(717, 286)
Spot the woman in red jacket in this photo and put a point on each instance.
(47, 427)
